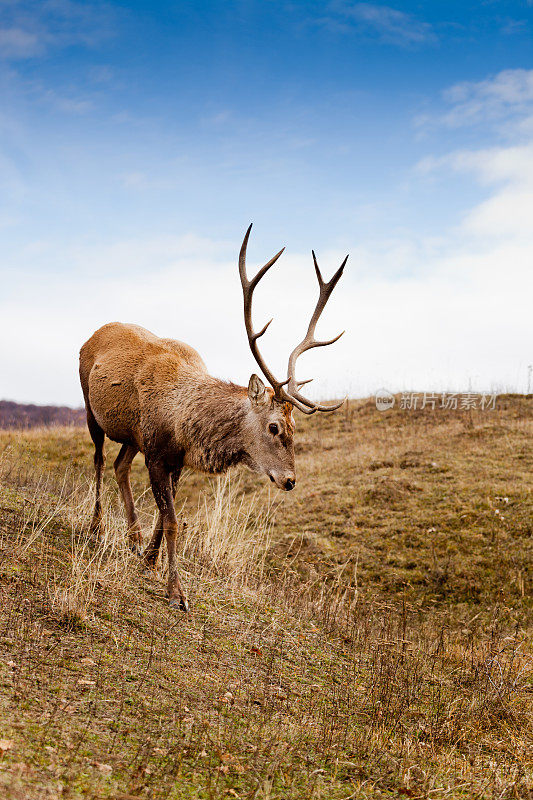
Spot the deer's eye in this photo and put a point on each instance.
(273, 428)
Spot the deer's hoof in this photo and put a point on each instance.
(179, 603)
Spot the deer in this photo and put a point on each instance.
(154, 396)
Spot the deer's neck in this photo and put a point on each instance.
(215, 424)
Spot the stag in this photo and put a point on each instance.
(154, 396)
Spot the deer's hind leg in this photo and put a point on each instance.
(122, 472)
(152, 551)
(98, 437)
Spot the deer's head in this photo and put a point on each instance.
(270, 414)
(270, 433)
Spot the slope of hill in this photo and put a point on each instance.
(366, 636)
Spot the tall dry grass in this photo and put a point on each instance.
(272, 687)
(227, 539)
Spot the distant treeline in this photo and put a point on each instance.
(20, 415)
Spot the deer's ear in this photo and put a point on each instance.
(257, 391)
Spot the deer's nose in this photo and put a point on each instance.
(289, 484)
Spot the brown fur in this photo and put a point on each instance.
(156, 397)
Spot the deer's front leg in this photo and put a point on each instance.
(161, 480)
(152, 551)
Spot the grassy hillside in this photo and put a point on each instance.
(365, 636)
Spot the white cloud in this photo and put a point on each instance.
(19, 43)
(387, 24)
(508, 171)
(504, 99)
(509, 210)
(507, 89)
(29, 28)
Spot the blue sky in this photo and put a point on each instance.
(138, 140)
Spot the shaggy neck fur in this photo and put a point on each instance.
(214, 428)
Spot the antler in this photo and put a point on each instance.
(291, 395)
(309, 341)
(247, 290)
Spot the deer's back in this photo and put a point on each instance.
(129, 378)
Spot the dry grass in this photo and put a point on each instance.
(367, 636)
